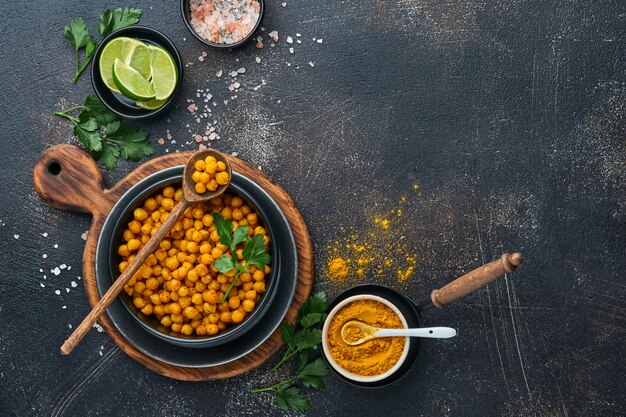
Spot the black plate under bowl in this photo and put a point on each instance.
(117, 103)
(238, 340)
(185, 9)
(408, 310)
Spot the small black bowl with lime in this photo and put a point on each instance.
(136, 72)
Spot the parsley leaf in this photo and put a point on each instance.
(311, 319)
(102, 133)
(77, 32)
(255, 252)
(313, 382)
(294, 398)
(224, 264)
(224, 229)
(114, 20)
(315, 368)
(315, 304)
(307, 338)
(287, 333)
(240, 236)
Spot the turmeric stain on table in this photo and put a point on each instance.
(377, 248)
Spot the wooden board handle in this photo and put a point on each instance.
(476, 279)
(68, 178)
(117, 287)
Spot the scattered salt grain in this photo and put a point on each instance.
(56, 246)
(291, 50)
(258, 60)
(42, 285)
(67, 290)
(16, 236)
(298, 35)
(73, 284)
(311, 64)
(235, 154)
(274, 35)
(161, 141)
(56, 271)
(289, 39)
(63, 266)
(64, 307)
(192, 108)
(44, 234)
(241, 70)
(69, 325)
(283, 5)
(57, 292)
(233, 74)
(320, 41)
(200, 58)
(100, 352)
(44, 256)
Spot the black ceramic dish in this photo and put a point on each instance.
(117, 103)
(201, 352)
(185, 9)
(410, 312)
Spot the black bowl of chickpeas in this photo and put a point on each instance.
(174, 308)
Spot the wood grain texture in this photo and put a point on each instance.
(79, 187)
(476, 279)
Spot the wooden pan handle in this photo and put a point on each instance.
(117, 287)
(68, 178)
(476, 279)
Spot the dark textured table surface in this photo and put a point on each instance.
(509, 115)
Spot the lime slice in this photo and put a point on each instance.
(164, 72)
(138, 57)
(124, 49)
(131, 83)
(152, 104)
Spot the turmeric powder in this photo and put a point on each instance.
(375, 356)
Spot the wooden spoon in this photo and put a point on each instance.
(370, 332)
(190, 197)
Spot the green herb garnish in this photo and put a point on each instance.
(254, 250)
(105, 136)
(301, 339)
(78, 33)
(113, 20)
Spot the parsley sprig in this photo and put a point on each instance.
(254, 250)
(301, 338)
(105, 136)
(78, 33)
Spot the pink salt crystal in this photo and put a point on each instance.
(84, 235)
(161, 141)
(259, 45)
(169, 135)
(191, 108)
(198, 138)
(274, 35)
(201, 147)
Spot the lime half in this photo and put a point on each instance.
(131, 83)
(130, 51)
(164, 72)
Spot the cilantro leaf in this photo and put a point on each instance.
(240, 235)
(316, 367)
(78, 33)
(294, 398)
(91, 139)
(111, 21)
(108, 156)
(95, 109)
(255, 252)
(310, 319)
(224, 264)
(224, 229)
(287, 333)
(315, 304)
(313, 382)
(308, 338)
(133, 143)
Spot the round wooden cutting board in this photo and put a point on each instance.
(68, 178)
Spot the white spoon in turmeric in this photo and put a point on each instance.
(356, 332)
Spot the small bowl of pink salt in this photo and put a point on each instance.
(222, 23)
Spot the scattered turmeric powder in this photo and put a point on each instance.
(378, 249)
(375, 356)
